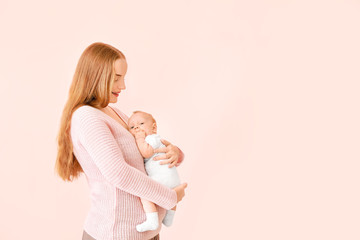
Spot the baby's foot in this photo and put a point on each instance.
(169, 217)
(151, 223)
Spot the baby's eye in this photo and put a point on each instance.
(142, 123)
(131, 127)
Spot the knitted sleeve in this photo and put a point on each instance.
(97, 139)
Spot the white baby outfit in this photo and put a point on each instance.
(160, 173)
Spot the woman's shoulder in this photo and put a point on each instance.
(87, 123)
(87, 119)
(85, 112)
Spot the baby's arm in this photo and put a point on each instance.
(146, 149)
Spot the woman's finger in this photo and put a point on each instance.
(165, 142)
(160, 157)
(161, 150)
(164, 162)
(173, 164)
(168, 161)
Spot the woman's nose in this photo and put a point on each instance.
(122, 85)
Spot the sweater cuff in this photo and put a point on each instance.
(173, 202)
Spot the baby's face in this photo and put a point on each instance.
(141, 122)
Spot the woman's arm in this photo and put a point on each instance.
(97, 139)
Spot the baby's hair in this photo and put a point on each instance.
(146, 114)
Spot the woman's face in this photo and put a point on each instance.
(119, 82)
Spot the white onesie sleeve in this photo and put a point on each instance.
(154, 140)
(160, 173)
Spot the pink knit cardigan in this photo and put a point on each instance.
(114, 169)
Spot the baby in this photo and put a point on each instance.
(143, 126)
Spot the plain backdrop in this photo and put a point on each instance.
(262, 97)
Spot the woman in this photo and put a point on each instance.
(94, 139)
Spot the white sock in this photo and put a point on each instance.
(151, 223)
(169, 217)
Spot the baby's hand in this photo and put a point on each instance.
(139, 134)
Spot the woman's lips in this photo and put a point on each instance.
(116, 94)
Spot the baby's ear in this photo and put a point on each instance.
(154, 127)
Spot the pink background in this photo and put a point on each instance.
(262, 96)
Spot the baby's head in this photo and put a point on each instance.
(142, 121)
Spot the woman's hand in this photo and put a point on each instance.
(180, 191)
(172, 154)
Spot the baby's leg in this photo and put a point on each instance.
(169, 217)
(148, 206)
(152, 218)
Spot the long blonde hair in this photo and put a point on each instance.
(91, 85)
